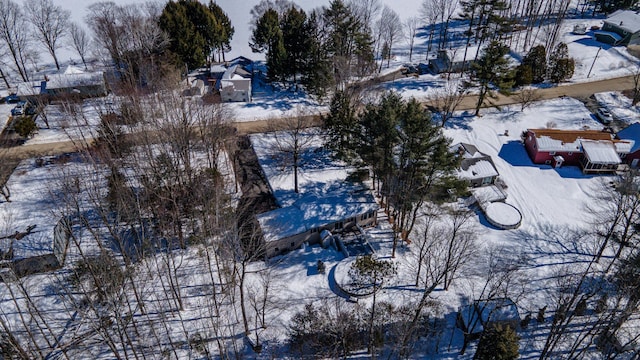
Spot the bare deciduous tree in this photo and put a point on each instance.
(527, 96)
(292, 136)
(389, 27)
(411, 29)
(446, 100)
(15, 33)
(80, 41)
(51, 23)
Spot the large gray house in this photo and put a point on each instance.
(620, 28)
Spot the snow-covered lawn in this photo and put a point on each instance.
(552, 202)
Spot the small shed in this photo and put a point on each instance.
(474, 318)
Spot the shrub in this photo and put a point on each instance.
(25, 126)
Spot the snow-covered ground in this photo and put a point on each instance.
(552, 202)
(619, 106)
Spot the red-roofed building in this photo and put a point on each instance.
(594, 151)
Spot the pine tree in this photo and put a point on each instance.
(491, 69)
(186, 41)
(226, 30)
(498, 343)
(536, 59)
(295, 38)
(267, 37)
(341, 125)
(561, 66)
(317, 75)
(349, 42)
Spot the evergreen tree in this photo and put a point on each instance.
(536, 59)
(225, 29)
(349, 42)
(491, 69)
(561, 66)
(186, 41)
(498, 343)
(524, 75)
(296, 40)
(341, 125)
(317, 77)
(196, 30)
(267, 37)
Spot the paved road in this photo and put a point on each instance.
(579, 90)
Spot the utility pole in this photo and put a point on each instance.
(594, 61)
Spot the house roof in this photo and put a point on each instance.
(458, 54)
(600, 152)
(625, 19)
(474, 164)
(631, 132)
(565, 140)
(466, 150)
(74, 79)
(312, 211)
(477, 169)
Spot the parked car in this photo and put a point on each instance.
(19, 109)
(604, 115)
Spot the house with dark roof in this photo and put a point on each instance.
(620, 28)
(475, 167)
(594, 151)
(632, 133)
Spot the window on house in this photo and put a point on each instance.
(552, 153)
(276, 250)
(547, 162)
(570, 153)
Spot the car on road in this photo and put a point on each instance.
(604, 115)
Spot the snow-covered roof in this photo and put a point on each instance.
(237, 77)
(281, 223)
(313, 211)
(466, 150)
(74, 79)
(600, 152)
(625, 19)
(566, 140)
(478, 169)
(631, 132)
(458, 55)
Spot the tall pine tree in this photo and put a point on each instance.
(267, 37)
(491, 69)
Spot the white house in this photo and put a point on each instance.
(235, 84)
